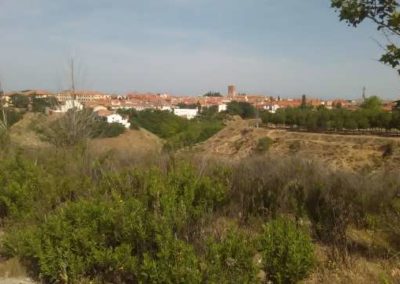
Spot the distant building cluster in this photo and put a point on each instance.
(106, 105)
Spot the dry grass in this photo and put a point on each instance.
(361, 153)
(23, 133)
(131, 145)
(12, 268)
(357, 270)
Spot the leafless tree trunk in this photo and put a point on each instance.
(3, 121)
(76, 125)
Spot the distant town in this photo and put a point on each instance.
(106, 105)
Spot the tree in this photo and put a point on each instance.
(384, 13)
(212, 94)
(40, 104)
(244, 109)
(20, 101)
(72, 128)
(303, 101)
(3, 120)
(372, 103)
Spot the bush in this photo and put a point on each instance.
(12, 116)
(135, 229)
(115, 241)
(388, 150)
(71, 129)
(244, 109)
(287, 252)
(20, 101)
(104, 129)
(263, 145)
(230, 260)
(175, 262)
(332, 208)
(40, 104)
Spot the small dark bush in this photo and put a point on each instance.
(20, 101)
(387, 150)
(107, 130)
(263, 145)
(295, 146)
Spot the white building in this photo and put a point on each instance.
(69, 105)
(116, 118)
(222, 107)
(272, 108)
(166, 108)
(186, 112)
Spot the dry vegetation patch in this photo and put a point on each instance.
(238, 140)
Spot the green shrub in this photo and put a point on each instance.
(12, 116)
(20, 100)
(287, 252)
(230, 260)
(87, 239)
(104, 129)
(244, 109)
(175, 262)
(263, 144)
(40, 104)
(134, 230)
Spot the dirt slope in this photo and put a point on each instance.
(23, 132)
(239, 139)
(129, 144)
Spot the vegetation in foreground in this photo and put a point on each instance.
(74, 218)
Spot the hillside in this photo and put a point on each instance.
(128, 145)
(239, 139)
(23, 132)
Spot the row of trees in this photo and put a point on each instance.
(38, 104)
(370, 115)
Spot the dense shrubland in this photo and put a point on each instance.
(71, 217)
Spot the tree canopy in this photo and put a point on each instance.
(384, 13)
(372, 103)
(212, 94)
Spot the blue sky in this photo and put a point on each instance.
(188, 47)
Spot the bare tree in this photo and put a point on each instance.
(76, 125)
(73, 128)
(3, 121)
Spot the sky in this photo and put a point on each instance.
(189, 47)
